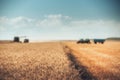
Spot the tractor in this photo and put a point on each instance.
(84, 41)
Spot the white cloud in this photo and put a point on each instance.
(21, 20)
(50, 22)
(57, 16)
(17, 22)
(63, 24)
(3, 19)
(53, 21)
(90, 23)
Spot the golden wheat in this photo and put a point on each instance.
(102, 60)
(35, 61)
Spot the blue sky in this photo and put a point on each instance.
(59, 19)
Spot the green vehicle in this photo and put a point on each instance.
(84, 41)
(99, 41)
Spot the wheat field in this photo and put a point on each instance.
(64, 60)
(102, 60)
(35, 61)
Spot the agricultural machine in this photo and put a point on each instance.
(99, 41)
(17, 39)
(84, 41)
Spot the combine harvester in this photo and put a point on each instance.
(17, 39)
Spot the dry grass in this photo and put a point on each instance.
(35, 61)
(102, 60)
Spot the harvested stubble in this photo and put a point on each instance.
(102, 60)
(35, 61)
